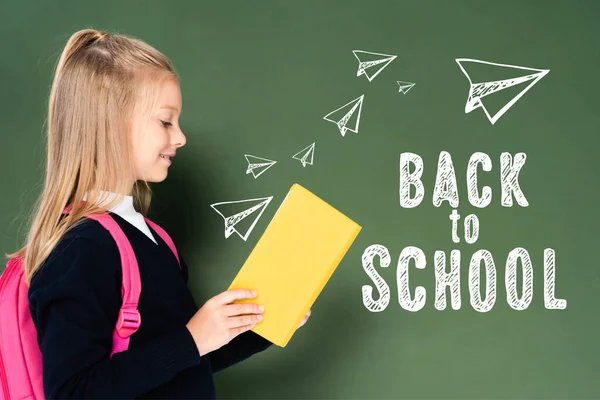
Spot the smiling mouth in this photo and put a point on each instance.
(166, 158)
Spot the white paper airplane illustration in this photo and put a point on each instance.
(258, 165)
(306, 155)
(369, 60)
(256, 207)
(343, 116)
(479, 90)
(405, 86)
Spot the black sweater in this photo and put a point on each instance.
(74, 302)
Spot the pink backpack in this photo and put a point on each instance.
(20, 355)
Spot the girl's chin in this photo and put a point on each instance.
(158, 176)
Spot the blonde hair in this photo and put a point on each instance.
(101, 82)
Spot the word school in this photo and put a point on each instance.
(445, 189)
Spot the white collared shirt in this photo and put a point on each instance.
(126, 211)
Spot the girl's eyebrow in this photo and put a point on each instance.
(171, 108)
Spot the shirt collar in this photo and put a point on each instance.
(123, 207)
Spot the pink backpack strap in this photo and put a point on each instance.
(129, 319)
(20, 355)
(165, 236)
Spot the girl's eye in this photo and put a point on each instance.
(166, 124)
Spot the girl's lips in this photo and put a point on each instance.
(166, 160)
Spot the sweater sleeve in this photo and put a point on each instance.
(74, 301)
(240, 348)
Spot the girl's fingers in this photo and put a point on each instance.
(305, 319)
(241, 329)
(244, 308)
(234, 294)
(234, 322)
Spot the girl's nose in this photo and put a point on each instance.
(180, 139)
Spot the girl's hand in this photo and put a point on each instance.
(304, 320)
(219, 321)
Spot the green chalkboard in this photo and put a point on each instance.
(260, 78)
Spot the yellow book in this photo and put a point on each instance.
(293, 260)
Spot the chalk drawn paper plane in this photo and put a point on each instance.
(405, 86)
(258, 165)
(306, 155)
(343, 116)
(368, 60)
(256, 207)
(479, 90)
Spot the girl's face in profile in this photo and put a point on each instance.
(160, 136)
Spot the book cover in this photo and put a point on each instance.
(290, 265)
